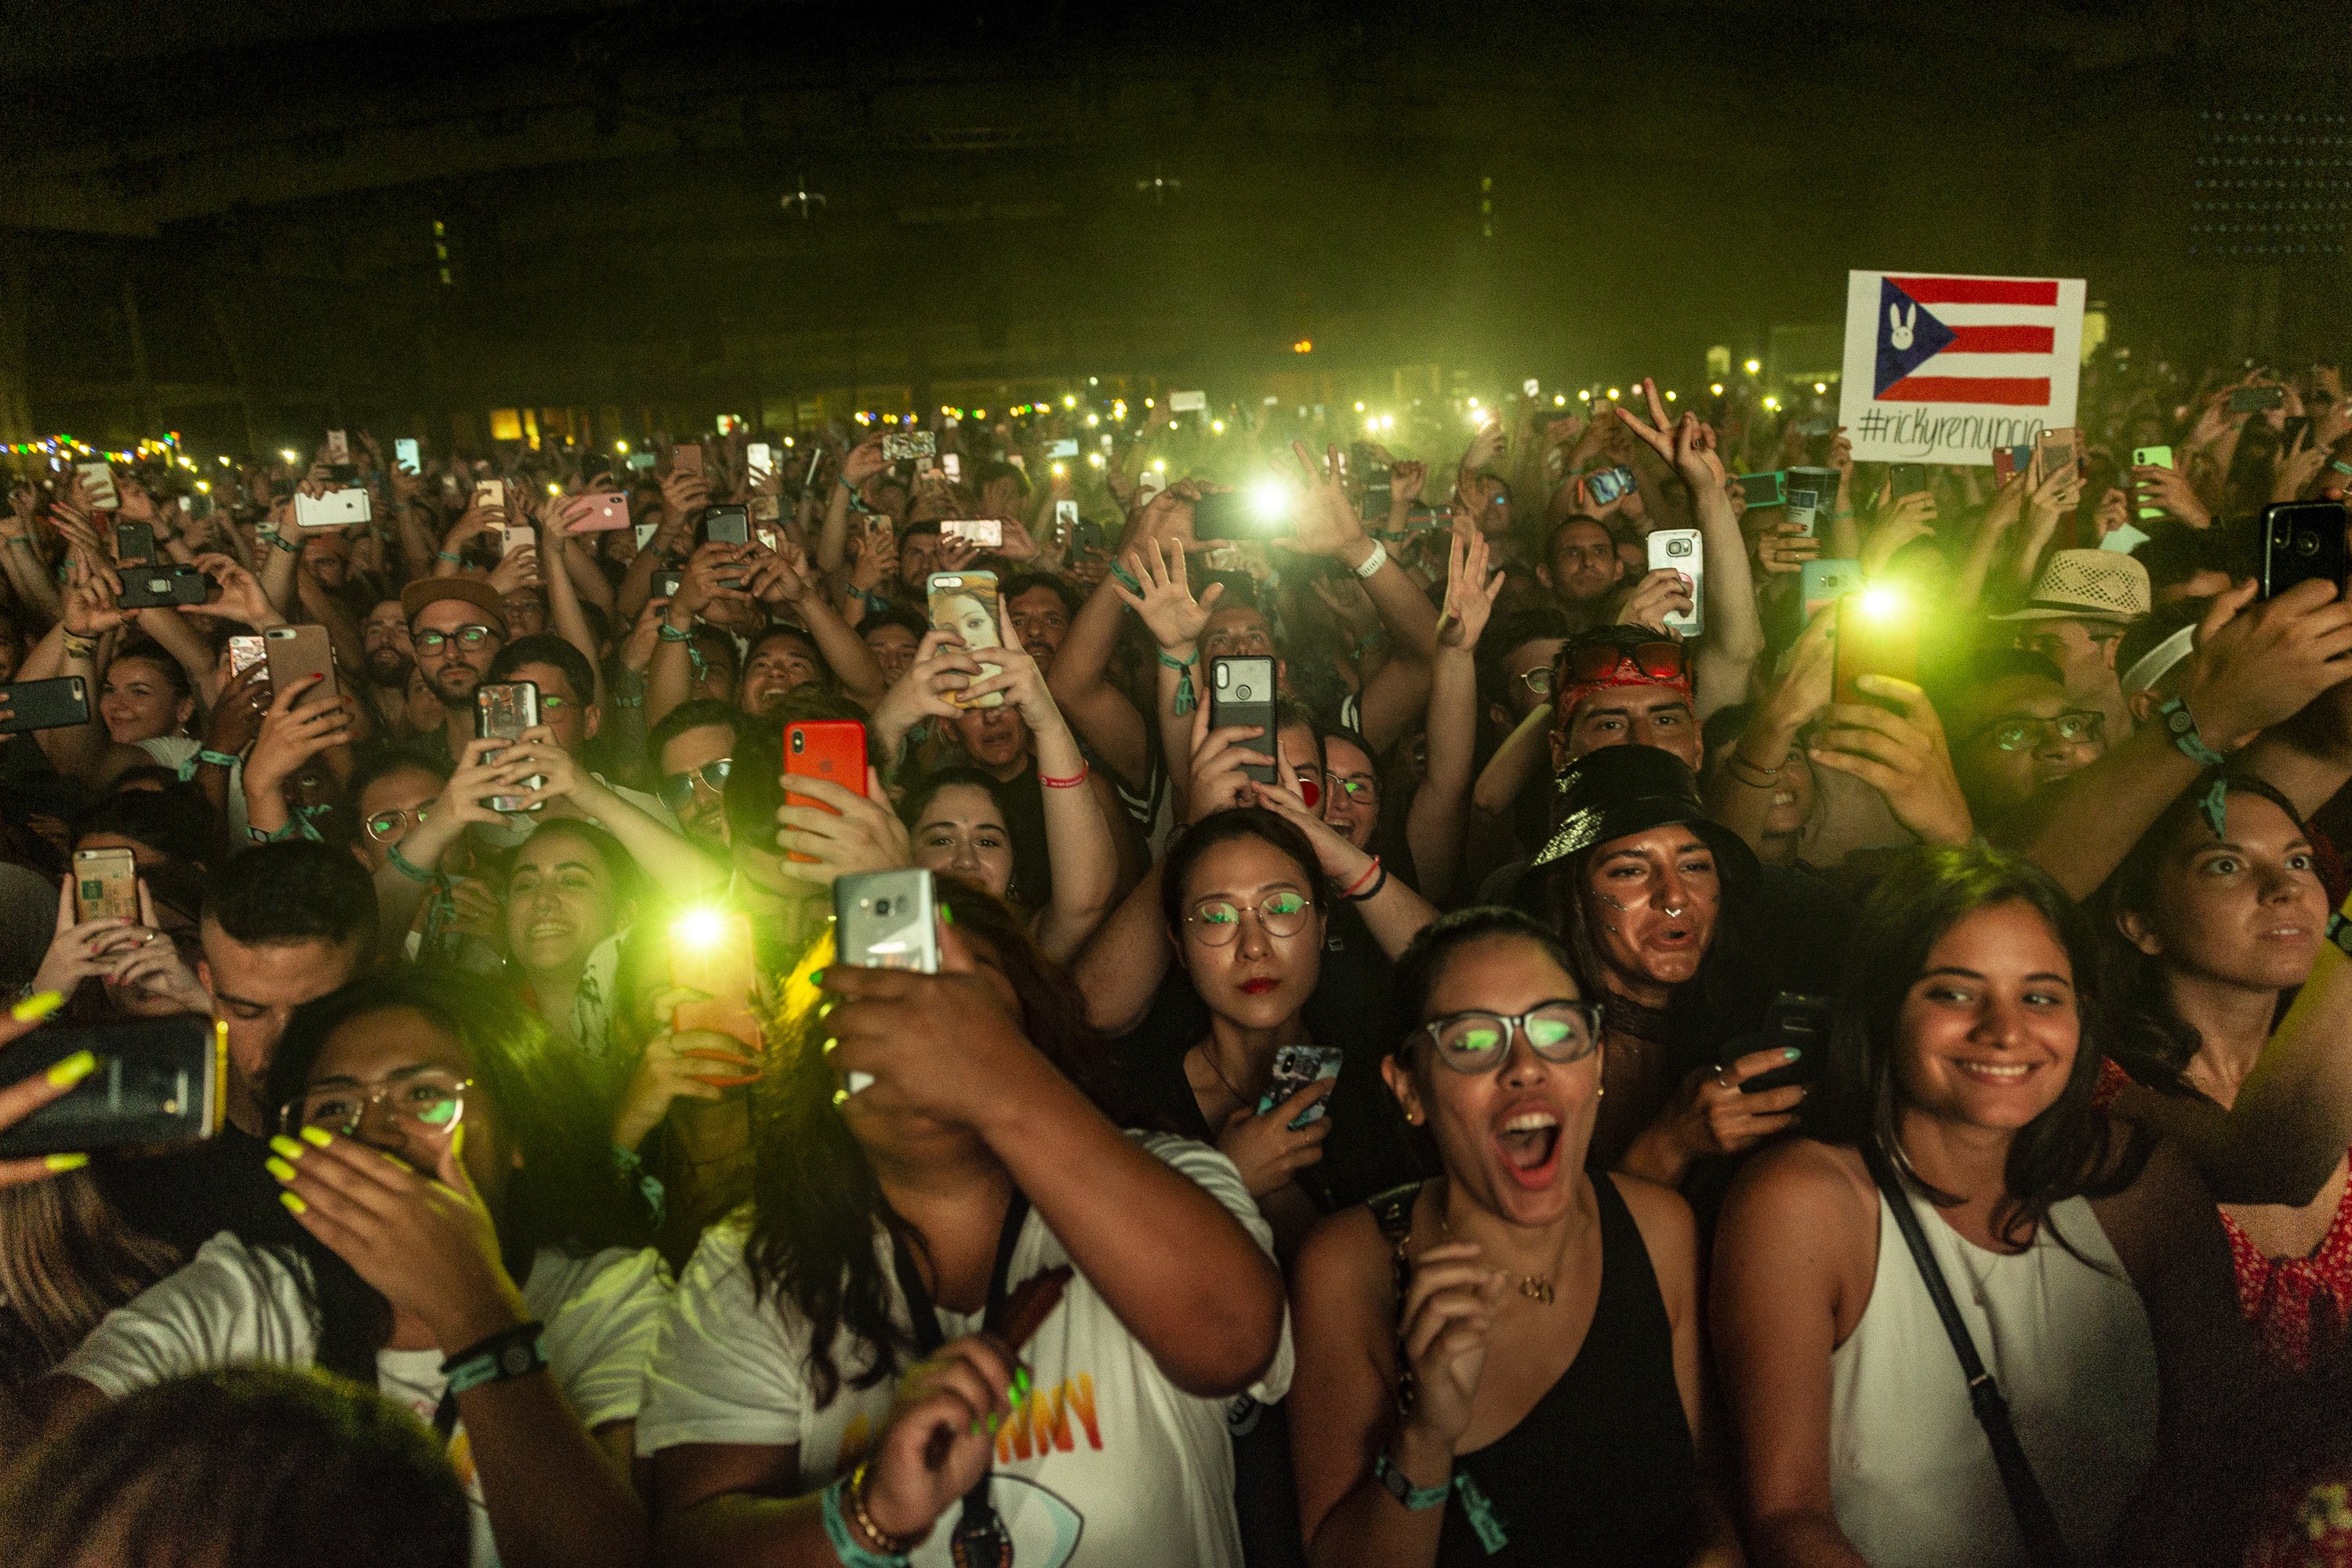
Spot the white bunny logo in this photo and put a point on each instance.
(1899, 330)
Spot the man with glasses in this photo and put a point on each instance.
(2082, 603)
(457, 626)
(693, 751)
(568, 711)
(2015, 730)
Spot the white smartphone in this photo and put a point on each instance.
(646, 531)
(405, 457)
(1188, 402)
(1681, 548)
(336, 509)
(97, 483)
(513, 539)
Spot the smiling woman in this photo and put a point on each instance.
(571, 890)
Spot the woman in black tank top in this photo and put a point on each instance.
(1502, 1366)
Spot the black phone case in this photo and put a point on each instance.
(56, 704)
(160, 1081)
(148, 587)
(2301, 541)
(1226, 707)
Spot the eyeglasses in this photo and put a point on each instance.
(1664, 659)
(1537, 680)
(677, 790)
(1475, 1041)
(383, 824)
(1278, 914)
(1359, 789)
(466, 637)
(2023, 732)
(434, 1100)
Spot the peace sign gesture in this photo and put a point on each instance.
(1686, 445)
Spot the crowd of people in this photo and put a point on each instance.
(1713, 1014)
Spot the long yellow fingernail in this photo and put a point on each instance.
(38, 1006)
(318, 1135)
(278, 1168)
(293, 1205)
(73, 1070)
(61, 1163)
(286, 1146)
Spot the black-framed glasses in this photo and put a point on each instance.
(1477, 1041)
(1219, 920)
(2023, 732)
(392, 822)
(433, 1101)
(1660, 659)
(677, 790)
(469, 637)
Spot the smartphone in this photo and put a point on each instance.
(829, 749)
(899, 445)
(198, 505)
(1804, 507)
(1826, 582)
(97, 483)
(2303, 540)
(1188, 402)
(2008, 462)
(760, 459)
(1764, 489)
(2293, 430)
(1791, 1022)
(985, 531)
(106, 885)
(712, 953)
(685, 458)
(513, 539)
(952, 464)
(726, 525)
(1602, 486)
(665, 583)
(2257, 399)
(1906, 480)
(1084, 535)
(965, 602)
(147, 587)
(407, 458)
(2064, 445)
(489, 493)
(1877, 634)
(338, 448)
(1065, 519)
(159, 1081)
(1062, 448)
(1682, 549)
(245, 651)
(1295, 1067)
(336, 509)
(297, 653)
(770, 540)
(642, 462)
(134, 542)
(1822, 482)
(608, 512)
(645, 532)
(886, 919)
(2150, 458)
(1241, 691)
(58, 704)
(2123, 539)
(1261, 513)
(767, 509)
(503, 710)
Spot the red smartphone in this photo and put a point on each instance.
(829, 749)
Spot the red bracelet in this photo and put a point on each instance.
(1357, 885)
(1073, 782)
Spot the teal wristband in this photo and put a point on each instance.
(845, 1545)
(1125, 578)
(517, 1353)
(405, 867)
(282, 542)
(217, 759)
(668, 633)
(1418, 1499)
(2182, 726)
(2339, 931)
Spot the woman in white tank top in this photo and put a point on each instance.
(2087, 1263)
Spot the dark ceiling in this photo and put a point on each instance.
(1508, 188)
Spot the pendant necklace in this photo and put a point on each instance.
(1536, 1287)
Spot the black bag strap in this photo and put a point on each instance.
(979, 1539)
(2045, 1543)
(1392, 1212)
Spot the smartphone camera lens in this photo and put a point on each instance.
(2307, 544)
(800, 742)
(881, 906)
(1242, 693)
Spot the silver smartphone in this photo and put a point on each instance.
(1682, 549)
(887, 920)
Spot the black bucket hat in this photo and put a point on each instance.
(1619, 791)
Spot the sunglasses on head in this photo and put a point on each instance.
(1664, 659)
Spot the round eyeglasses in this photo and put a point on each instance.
(677, 790)
(433, 1101)
(1217, 920)
(1475, 1041)
(383, 826)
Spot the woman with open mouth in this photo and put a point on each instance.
(2085, 1384)
(1515, 1344)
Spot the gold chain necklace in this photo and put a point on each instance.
(1536, 1287)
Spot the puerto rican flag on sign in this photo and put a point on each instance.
(1943, 368)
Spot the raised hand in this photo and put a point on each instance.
(1661, 593)
(1903, 756)
(1262, 1145)
(1471, 589)
(1443, 1326)
(1168, 611)
(241, 598)
(845, 833)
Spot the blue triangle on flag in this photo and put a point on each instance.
(1903, 320)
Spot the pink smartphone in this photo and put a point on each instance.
(608, 513)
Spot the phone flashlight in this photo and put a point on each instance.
(698, 930)
(1882, 603)
(1269, 499)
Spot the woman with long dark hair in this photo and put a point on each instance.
(963, 1264)
(1502, 1363)
(2212, 922)
(2087, 1263)
(452, 1176)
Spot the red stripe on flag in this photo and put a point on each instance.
(1980, 290)
(2024, 391)
(2002, 341)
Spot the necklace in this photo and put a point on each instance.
(1536, 1287)
(1210, 1058)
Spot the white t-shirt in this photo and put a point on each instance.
(1106, 1455)
(234, 1305)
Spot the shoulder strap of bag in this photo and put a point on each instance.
(2035, 1522)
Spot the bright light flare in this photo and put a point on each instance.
(1269, 498)
(699, 930)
